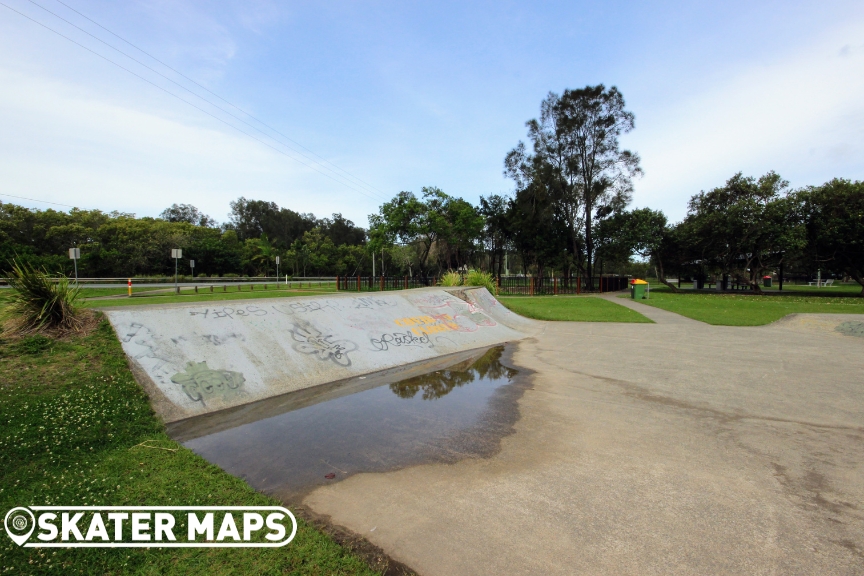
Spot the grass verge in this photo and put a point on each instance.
(747, 310)
(201, 297)
(571, 309)
(73, 419)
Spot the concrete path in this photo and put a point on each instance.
(667, 448)
(657, 315)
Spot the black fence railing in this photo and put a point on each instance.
(507, 285)
(546, 286)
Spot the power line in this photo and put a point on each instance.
(207, 90)
(368, 187)
(35, 200)
(185, 101)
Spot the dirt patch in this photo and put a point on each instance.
(88, 320)
(374, 556)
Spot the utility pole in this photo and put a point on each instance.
(176, 253)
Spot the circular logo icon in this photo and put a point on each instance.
(20, 523)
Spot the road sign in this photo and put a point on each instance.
(277, 260)
(75, 253)
(176, 253)
(191, 263)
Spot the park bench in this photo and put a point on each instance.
(823, 284)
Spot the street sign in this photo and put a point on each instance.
(191, 263)
(277, 260)
(75, 253)
(176, 253)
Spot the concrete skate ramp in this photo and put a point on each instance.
(199, 358)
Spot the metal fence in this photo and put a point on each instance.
(546, 286)
(507, 285)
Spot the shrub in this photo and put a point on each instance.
(39, 303)
(480, 278)
(451, 278)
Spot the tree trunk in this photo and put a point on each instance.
(589, 246)
(860, 280)
(662, 277)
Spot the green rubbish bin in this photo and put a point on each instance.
(637, 289)
(766, 281)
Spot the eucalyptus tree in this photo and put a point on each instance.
(577, 157)
(494, 210)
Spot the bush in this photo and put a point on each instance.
(38, 303)
(451, 278)
(480, 278)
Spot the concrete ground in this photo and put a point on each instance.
(674, 447)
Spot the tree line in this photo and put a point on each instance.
(121, 245)
(568, 215)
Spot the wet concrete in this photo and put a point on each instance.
(668, 448)
(458, 411)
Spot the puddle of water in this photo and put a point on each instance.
(456, 412)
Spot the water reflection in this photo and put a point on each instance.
(440, 383)
(383, 428)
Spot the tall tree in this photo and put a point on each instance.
(494, 210)
(252, 218)
(577, 157)
(437, 221)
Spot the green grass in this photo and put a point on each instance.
(72, 416)
(749, 310)
(571, 309)
(185, 297)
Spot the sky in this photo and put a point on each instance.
(361, 100)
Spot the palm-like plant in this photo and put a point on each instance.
(451, 278)
(39, 303)
(480, 278)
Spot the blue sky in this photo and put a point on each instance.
(404, 95)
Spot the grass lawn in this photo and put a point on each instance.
(746, 310)
(72, 416)
(570, 308)
(184, 297)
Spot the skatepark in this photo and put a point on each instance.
(607, 448)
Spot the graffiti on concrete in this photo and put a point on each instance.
(433, 300)
(202, 384)
(229, 312)
(399, 339)
(305, 306)
(420, 325)
(310, 340)
(373, 302)
(218, 340)
(138, 343)
(451, 311)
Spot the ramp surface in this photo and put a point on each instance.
(198, 358)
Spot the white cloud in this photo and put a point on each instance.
(63, 144)
(802, 116)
